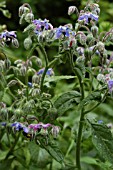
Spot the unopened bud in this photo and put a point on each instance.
(36, 92)
(7, 63)
(30, 72)
(101, 78)
(23, 10)
(23, 70)
(88, 53)
(27, 43)
(39, 62)
(100, 46)
(71, 10)
(15, 43)
(94, 30)
(29, 17)
(55, 131)
(89, 39)
(35, 79)
(12, 83)
(18, 61)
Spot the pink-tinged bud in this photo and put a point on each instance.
(71, 10)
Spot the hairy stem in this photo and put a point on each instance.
(79, 135)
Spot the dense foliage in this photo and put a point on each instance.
(56, 89)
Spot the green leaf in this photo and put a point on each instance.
(89, 160)
(93, 96)
(54, 151)
(3, 154)
(103, 141)
(66, 101)
(6, 13)
(6, 98)
(57, 78)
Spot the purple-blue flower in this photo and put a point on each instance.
(9, 37)
(87, 16)
(35, 127)
(63, 30)
(42, 25)
(8, 34)
(110, 85)
(49, 72)
(18, 126)
(100, 121)
(3, 123)
(29, 84)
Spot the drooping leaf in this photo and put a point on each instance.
(58, 78)
(54, 151)
(66, 101)
(103, 141)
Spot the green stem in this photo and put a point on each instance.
(32, 50)
(79, 135)
(46, 67)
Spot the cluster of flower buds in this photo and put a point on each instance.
(9, 37)
(25, 13)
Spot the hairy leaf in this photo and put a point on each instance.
(103, 141)
(66, 101)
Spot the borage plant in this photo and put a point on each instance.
(30, 113)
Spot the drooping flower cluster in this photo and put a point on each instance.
(33, 128)
(42, 25)
(49, 72)
(88, 16)
(9, 37)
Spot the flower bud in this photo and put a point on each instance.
(41, 38)
(29, 17)
(18, 61)
(28, 43)
(39, 62)
(7, 63)
(23, 70)
(23, 10)
(55, 131)
(101, 78)
(36, 92)
(15, 43)
(87, 53)
(100, 46)
(89, 39)
(94, 30)
(2, 65)
(12, 83)
(36, 79)
(71, 10)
